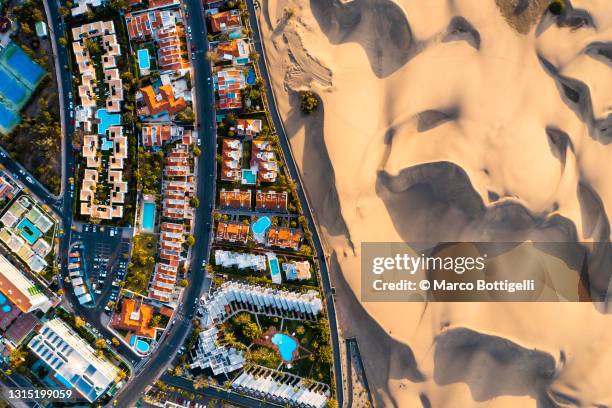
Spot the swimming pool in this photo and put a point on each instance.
(107, 120)
(144, 61)
(28, 231)
(248, 177)
(106, 144)
(286, 345)
(148, 217)
(251, 77)
(141, 345)
(261, 225)
(274, 268)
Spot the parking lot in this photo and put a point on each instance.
(106, 253)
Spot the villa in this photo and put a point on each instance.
(237, 51)
(264, 160)
(248, 128)
(155, 135)
(135, 317)
(239, 199)
(232, 232)
(163, 27)
(163, 101)
(297, 271)
(228, 259)
(282, 237)
(225, 22)
(219, 359)
(231, 156)
(229, 82)
(271, 201)
(72, 361)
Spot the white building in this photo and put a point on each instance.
(228, 259)
(281, 390)
(22, 291)
(259, 299)
(81, 6)
(218, 358)
(72, 360)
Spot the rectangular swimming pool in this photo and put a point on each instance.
(144, 60)
(148, 217)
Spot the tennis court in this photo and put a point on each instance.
(11, 89)
(23, 66)
(8, 119)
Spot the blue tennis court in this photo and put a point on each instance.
(23, 65)
(10, 88)
(8, 118)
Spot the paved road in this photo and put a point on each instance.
(161, 358)
(285, 145)
(229, 396)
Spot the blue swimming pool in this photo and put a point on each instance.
(28, 231)
(107, 120)
(286, 345)
(148, 217)
(274, 269)
(251, 77)
(144, 60)
(248, 177)
(141, 345)
(106, 144)
(6, 308)
(261, 225)
(2, 299)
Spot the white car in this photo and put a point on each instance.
(30, 180)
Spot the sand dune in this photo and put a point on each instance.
(448, 120)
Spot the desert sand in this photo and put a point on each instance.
(455, 120)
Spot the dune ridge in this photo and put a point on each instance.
(459, 120)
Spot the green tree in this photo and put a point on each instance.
(308, 102)
(194, 202)
(100, 344)
(190, 240)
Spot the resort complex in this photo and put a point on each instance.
(103, 188)
(174, 259)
